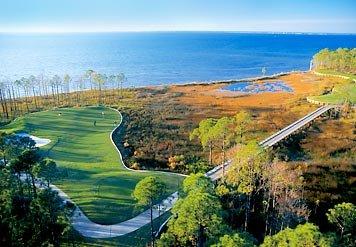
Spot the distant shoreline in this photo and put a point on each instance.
(54, 32)
(212, 82)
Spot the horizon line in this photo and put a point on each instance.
(169, 31)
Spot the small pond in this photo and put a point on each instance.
(250, 87)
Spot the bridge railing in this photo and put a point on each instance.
(311, 115)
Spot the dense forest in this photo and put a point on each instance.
(341, 60)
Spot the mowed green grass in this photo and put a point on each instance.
(339, 95)
(97, 181)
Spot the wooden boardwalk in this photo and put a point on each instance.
(272, 140)
(290, 129)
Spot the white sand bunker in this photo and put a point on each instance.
(40, 142)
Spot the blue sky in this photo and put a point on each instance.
(332, 16)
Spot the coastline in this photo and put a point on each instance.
(229, 81)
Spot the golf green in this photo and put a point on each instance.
(80, 144)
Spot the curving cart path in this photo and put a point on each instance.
(90, 229)
(85, 226)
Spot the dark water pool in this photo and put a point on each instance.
(249, 87)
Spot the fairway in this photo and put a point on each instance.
(96, 179)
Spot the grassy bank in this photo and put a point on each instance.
(336, 73)
(96, 180)
(339, 95)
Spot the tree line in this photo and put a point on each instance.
(29, 216)
(34, 93)
(341, 60)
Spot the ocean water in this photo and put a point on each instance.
(162, 57)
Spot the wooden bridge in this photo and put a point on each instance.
(287, 131)
(218, 171)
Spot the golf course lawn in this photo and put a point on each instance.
(97, 181)
(339, 95)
